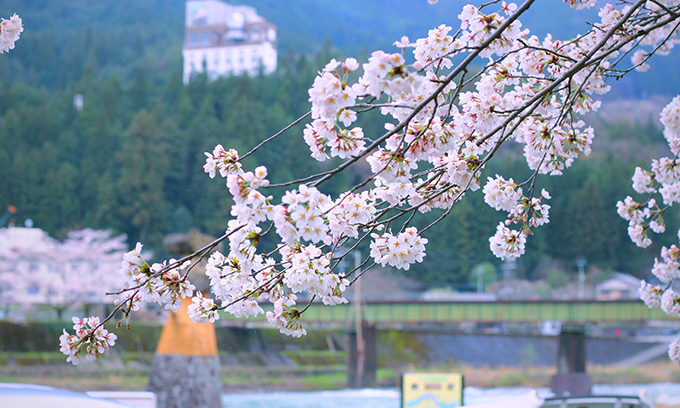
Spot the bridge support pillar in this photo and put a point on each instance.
(363, 357)
(571, 374)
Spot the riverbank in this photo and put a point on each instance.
(133, 376)
(263, 361)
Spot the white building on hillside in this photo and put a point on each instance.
(226, 40)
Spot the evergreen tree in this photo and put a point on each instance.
(144, 162)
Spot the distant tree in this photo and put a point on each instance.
(77, 272)
(144, 163)
(10, 288)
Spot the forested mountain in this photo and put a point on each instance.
(67, 40)
(132, 159)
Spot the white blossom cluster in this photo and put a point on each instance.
(243, 278)
(505, 195)
(91, 339)
(349, 212)
(231, 279)
(331, 101)
(477, 27)
(674, 351)
(670, 118)
(301, 216)
(670, 303)
(650, 294)
(308, 269)
(501, 194)
(662, 181)
(582, 4)
(203, 310)
(507, 243)
(399, 251)
(250, 206)
(224, 161)
(163, 283)
(454, 136)
(170, 286)
(659, 41)
(286, 318)
(9, 33)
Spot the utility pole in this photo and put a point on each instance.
(361, 358)
(362, 362)
(479, 271)
(581, 264)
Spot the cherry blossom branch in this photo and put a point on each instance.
(446, 132)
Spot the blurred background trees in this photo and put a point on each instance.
(129, 158)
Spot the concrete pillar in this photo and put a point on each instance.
(363, 357)
(185, 371)
(571, 374)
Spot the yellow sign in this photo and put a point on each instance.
(431, 390)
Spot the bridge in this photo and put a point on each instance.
(413, 312)
(574, 315)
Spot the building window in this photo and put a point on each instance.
(205, 38)
(193, 39)
(254, 34)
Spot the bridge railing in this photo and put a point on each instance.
(499, 311)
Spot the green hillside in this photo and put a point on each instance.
(132, 159)
(66, 40)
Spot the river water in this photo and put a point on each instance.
(661, 393)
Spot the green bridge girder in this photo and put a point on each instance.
(502, 311)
